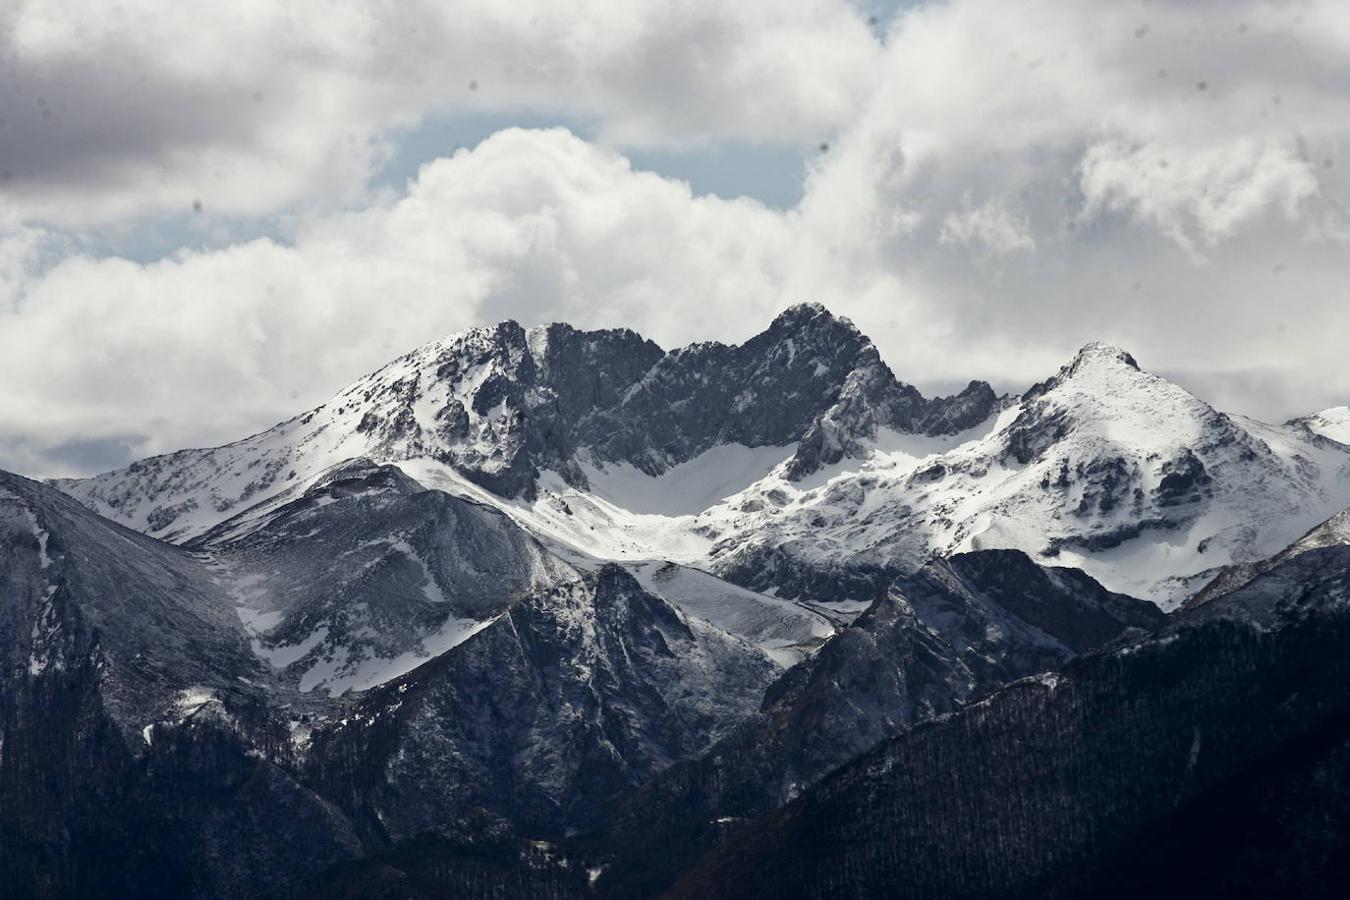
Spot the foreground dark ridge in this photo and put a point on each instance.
(1073, 784)
(146, 745)
(941, 638)
(134, 702)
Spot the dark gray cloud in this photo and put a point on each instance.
(121, 109)
(75, 457)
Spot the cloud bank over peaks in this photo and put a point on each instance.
(1003, 183)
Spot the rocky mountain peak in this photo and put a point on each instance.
(1333, 423)
(1101, 353)
(809, 338)
(1092, 368)
(809, 315)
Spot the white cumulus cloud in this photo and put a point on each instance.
(1007, 182)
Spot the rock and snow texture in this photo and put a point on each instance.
(1334, 532)
(364, 575)
(141, 740)
(357, 582)
(416, 656)
(1333, 423)
(940, 638)
(573, 697)
(1210, 759)
(82, 597)
(795, 465)
(1103, 467)
(787, 631)
(501, 405)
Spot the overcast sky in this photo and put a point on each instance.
(213, 216)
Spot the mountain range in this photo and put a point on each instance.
(546, 612)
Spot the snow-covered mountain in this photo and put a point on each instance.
(1334, 532)
(369, 661)
(499, 406)
(365, 575)
(1102, 466)
(570, 700)
(795, 464)
(372, 661)
(538, 607)
(361, 574)
(1333, 423)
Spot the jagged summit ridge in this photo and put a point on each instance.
(810, 315)
(491, 589)
(795, 462)
(1102, 352)
(1095, 362)
(503, 404)
(1102, 466)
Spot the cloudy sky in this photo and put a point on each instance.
(213, 216)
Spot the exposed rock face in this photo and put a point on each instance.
(1102, 467)
(870, 399)
(1332, 423)
(558, 613)
(1040, 789)
(138, 750)
(151, 739)
(365, 575)
(543, 718)
(82, 592)
(1335, 532)
(952, 632)
(501, 404)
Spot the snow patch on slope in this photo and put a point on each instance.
(589, 530)
(338, 673)
(431, 589)
(689, 487)
(583, 528)
(335, 667)
(787, 631)
(1333, 423)
(44, 561)
(1082, 471)
(182, 495)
